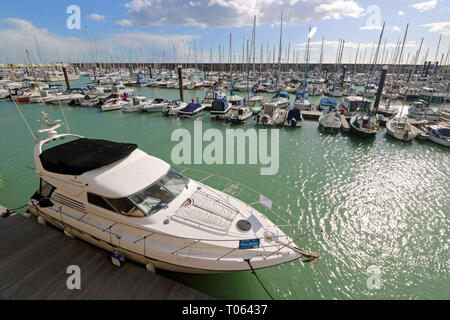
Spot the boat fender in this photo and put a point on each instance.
(41, 220)
(293, 122)
(117, 260)
(68, 234)
(150, 267)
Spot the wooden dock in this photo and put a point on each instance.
(311, 114)
(34, 261)
(345, 126)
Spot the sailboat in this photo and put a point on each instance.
(401, 129)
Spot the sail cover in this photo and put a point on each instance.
(82, 155)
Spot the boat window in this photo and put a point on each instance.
(161, 193)
(126, 207)
(174, 181)
(99, 202)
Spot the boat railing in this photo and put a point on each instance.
(188, 243)
(291, 232)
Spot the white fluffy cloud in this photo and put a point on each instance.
(401, 13)
(237, 13)
(20, 35)
(124, 23)
(371, 27)
(339, 9)
(96, 17)
(425, 6)
(441, 27)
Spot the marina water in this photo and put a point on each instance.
(363, 205)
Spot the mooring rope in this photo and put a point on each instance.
(259, 280)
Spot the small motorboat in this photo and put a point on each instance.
(420, 110)
(220, 109)
(211, 95)
(157, 104)
(330, 121)
(302, 102)
(327, 104)
(268, 115)
(191, 110)
(171, 109)
(241, 115)
(294, 118)
(440, 135)
(114, 104)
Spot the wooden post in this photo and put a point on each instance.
(180, 81)
(380, 87)
(66, 77)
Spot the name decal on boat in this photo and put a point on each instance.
(249, 244)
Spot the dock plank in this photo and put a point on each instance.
(35, 259)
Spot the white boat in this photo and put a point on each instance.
(315, 90)
(114, 104)
(171, 109)
(268, 115)
(280, 100)
(327, 104)
(211, 95)
(157, 104)
(67, 96)
(353, 104)
(440, 135)
(302, 102)
(220, 108)
(364, 125)
(330, 121)
(241, 115)
(191, 110)
(420, 110)
(401, 129)
(117, 197)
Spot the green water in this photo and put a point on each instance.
(378, 202)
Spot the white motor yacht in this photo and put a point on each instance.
(114, 104)
(138, 207)
(171, 109)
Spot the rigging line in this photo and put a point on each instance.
(26, 122)
(64, 115)
(259, 280)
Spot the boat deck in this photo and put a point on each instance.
(34, 261)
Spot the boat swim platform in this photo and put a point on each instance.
(34, 261)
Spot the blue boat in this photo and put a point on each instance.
(294, 118)
(327, 104)
(220, 108)
(191, 110)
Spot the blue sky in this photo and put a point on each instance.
(145, 30)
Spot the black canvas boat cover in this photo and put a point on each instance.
(82, 155)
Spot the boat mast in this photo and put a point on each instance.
(279, 54)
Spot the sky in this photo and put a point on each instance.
(192, 30)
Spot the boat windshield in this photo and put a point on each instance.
(161, 193)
